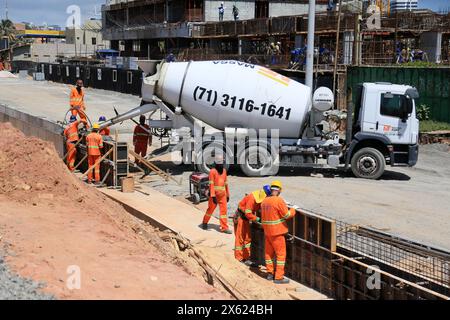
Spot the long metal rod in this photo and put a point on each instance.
(336, 55)
(310, 48)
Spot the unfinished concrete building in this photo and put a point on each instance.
(267, 32)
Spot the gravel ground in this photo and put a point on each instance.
(13, 287)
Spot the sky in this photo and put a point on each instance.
(52, 12)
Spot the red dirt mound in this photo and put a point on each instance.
(32, 172)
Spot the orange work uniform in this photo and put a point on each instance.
(245, 213)
(218, 188)
(105, 132)
(141, 139)
(71, 134)
(77, 106)
(274, 213)
(94, 142)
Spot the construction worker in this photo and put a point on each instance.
(219, 194)
(77, 106)
(71, 135)
(246, 213)
(105, 131)
(141, 138)
(274, 213)
(94, 143)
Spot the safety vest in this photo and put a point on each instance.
(249, 207)
(71, 131)
(141, 136)
(274, 214)
(94, 143)
(218, 185)
(77, 99)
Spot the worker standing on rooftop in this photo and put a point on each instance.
(221, 12)
(274, 213)
(247, 212)
(71, 135)
(77, 106)
(94, 143)
(219, 194)
(141, 138)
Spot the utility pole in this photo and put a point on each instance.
(6, 10)
(310, 49)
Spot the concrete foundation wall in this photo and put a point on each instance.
(277, 9)
(34, 126)
(246, 10)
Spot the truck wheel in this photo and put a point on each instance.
(257, 161)
(208, 158)
(368, 163)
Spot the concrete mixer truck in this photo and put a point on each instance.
(264, 120)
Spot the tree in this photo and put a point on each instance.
(7, 30)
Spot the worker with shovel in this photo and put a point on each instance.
(219, 195)
(71, 135)
(247, 212)
(274, 214)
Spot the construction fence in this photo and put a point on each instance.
(433, 84)
(119, 80)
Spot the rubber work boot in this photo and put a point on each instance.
(228, 231)
(250, 264)
(204, 226)
(281, 281)
(270, 277)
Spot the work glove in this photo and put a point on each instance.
(214, 199)
(295, 207)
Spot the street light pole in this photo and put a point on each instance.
(310, 48)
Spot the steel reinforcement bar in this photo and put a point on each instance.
(345, 261)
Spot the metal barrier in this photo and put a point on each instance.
(119, 80)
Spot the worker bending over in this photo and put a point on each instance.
(71, 135)
(219, 194)
(94, 143)
(105, 131)
(274, 213)
(141, 138)
(247, 212)
(77, 106)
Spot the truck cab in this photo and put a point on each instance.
(385, 121)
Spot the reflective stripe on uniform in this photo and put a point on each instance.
(269, 261)
(223, 217)
(219, 188)
(273, 222)
(281, 263)
(93, 147)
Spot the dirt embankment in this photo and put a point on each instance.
(54, 228)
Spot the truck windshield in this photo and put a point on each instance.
(393, 105)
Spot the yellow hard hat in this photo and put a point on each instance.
(276, 185)
(95, 126)
(259, 195)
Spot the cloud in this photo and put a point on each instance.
(50, 11)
